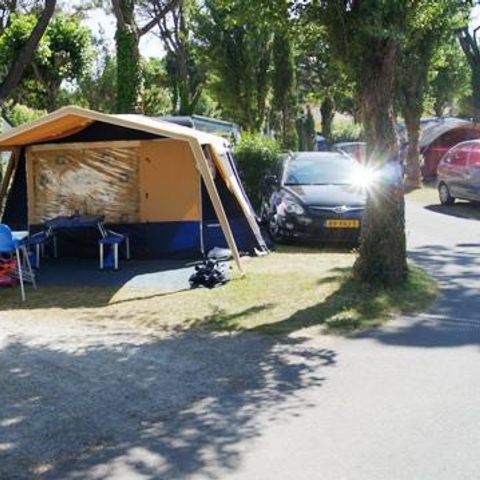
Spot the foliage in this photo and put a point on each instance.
(449, 78)
(20, 114)
(428, 26)
(236, 42)
(345, 131)
(156, 97)
(255, 155)
(285, 90)
(129, 72)
(63, 54)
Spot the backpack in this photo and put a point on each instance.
(210, 274)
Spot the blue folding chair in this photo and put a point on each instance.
(37, 242)
(112, 240)
(9, 245)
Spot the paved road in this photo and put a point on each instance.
(403, 402)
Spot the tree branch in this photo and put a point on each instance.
(161, 14)
(25, 55)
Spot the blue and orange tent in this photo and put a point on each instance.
(175, 190)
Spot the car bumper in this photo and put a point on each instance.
(313, 229)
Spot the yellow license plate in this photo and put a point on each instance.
(342, 223)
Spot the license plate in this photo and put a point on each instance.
(342, 223)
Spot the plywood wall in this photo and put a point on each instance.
(169, 182)
(66, 179)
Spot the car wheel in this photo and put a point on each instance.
(274, 230)
(444, 195)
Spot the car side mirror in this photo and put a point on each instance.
(270, 181)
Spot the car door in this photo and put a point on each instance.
(456, 172)
(473, 173)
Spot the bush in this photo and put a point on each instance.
(255, 155)
(21, 114)
(345, 131)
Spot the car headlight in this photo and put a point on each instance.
(293, 207)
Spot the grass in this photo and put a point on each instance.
(291, 289)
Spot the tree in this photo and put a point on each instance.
(366, 36)
(449, 79)
(14, 69)
(157, 97)
(63, 54)
(237, 40)
(427, 25)
(285, 90)
(470, 46)
(322, 78)
(127, 38)
(186, 75)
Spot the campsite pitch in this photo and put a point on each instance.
(289, 290)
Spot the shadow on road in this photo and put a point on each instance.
(469, 210)
(455, 319)
(166, 409)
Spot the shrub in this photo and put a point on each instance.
(21, 114)
(344, 131)
(255, 156)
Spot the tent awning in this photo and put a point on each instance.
(70, 120)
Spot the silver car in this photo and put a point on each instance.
(459, 173)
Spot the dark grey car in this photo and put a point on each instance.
(459, 173)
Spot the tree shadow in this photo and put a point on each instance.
(454, 320)
(470, 210)
(171, 408)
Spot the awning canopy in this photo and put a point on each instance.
(70, 120)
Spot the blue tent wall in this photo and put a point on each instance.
(16, 206)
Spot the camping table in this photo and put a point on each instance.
(75, 222)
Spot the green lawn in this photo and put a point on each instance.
(289, 290)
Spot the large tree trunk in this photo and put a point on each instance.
(414, 173)
(382, 252)
(327, 110)
(129, 75)
(25, 55)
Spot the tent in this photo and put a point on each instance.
(175, 190)
(437, 137)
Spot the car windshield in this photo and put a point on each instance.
(315, 171)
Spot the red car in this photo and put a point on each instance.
(459, 173)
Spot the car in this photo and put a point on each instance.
(459, 173)
(357, 150)
(314, 196)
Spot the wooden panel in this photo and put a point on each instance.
(169, 182)
(101, 181)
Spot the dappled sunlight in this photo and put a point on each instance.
(172, 407)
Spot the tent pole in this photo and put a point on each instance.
(216, 201)
(202, 242)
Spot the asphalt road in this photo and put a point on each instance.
(78, 401)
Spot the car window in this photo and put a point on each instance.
(474, 157)
(314, 171)
(459, 157)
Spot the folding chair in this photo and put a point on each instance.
(38, 240)
(113, 240)
(12, 247)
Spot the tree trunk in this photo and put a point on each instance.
(327, 110)
(476, 91)
(382, 251)
(25, 55)
(129, 75)
(413, 173)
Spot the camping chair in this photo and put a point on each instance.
(12, 247)
(38, 240)
(113, 240)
